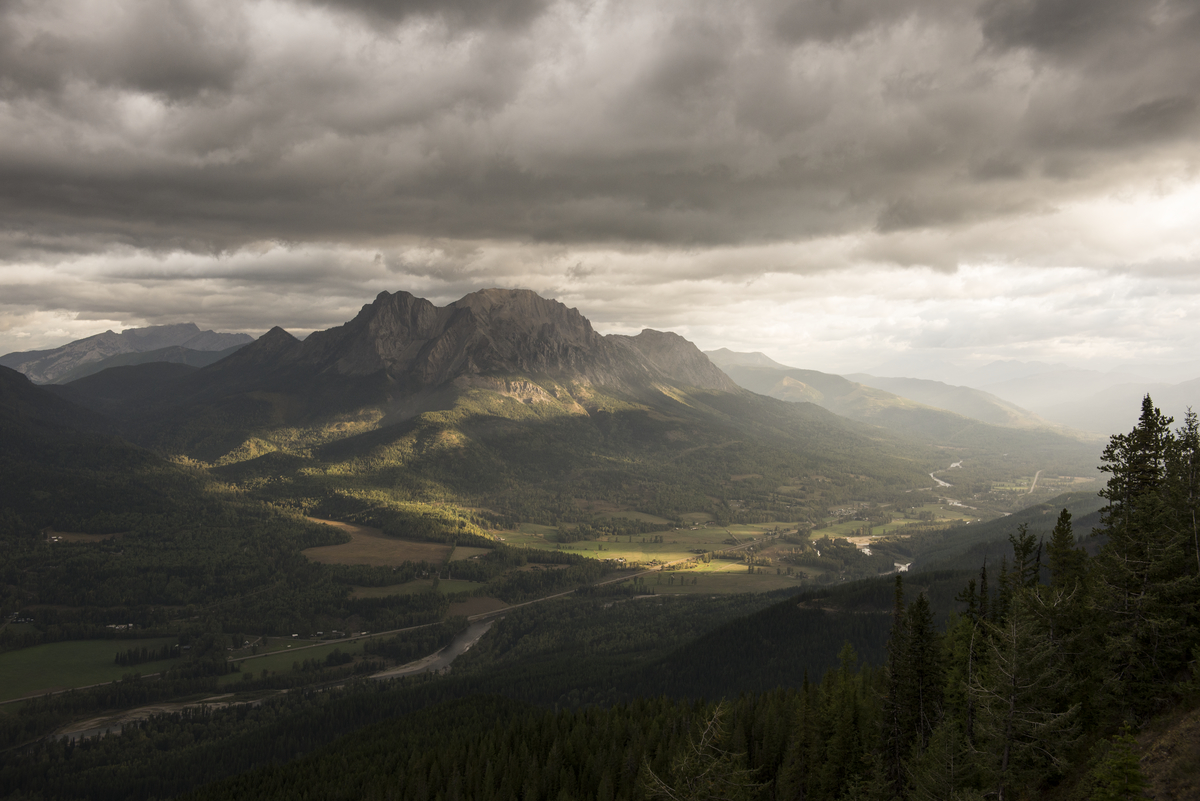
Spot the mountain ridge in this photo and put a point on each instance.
(54, 364)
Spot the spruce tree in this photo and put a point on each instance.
(1067, 561)
(1024, 736)
(1146, 588)
(894, 737)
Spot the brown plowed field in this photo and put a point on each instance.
(370, 546)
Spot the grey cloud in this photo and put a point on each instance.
(676, 124)
(457, 13)
(1064, 27)
(176, 48)
(831, 20)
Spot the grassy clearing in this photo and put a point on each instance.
(451, 586)
(642, 516)
(370, 546)
(463, 552)
(61, 665)
(282, 662)
(476, 606)
(677, 544)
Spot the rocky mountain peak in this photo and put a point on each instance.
(400, 344)
(672, 355)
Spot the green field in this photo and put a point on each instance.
(463, 552)
(282, 662)
(61, 665)
(677, 544)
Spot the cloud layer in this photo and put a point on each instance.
(229, 161)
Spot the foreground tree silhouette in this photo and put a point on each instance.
(703, 770)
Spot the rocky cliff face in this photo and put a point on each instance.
(671, 355)
(491, 332)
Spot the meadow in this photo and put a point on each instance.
(80, 663)
(371, 547)
(283, 660)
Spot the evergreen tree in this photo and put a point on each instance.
(894, 737)
(1023, 738)
(703, 769)
(1119, 776)
(1146, 588)
(1067, 561)
(925, 675)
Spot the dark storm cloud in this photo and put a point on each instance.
(457, 13)
(208, 126)
(168, 47)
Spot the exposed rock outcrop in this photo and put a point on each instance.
(502, 332)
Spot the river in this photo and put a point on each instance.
(436, 662)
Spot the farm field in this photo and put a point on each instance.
(477, 605)
(282, 662)
(676, 544)
(61, 665)
(464, 552)
(943, 513)
(370, 546)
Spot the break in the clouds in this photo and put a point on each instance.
(826, 182)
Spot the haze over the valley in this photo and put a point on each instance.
(915, 189)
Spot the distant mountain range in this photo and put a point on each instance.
(1093, 401)
(180, 342)
(502, 399)
(868, 397)
(509, 402)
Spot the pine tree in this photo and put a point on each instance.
(1184, 468)
(703, 768)
(1067, 561)
(894, 737)
(1146, 588)
(926, 675)
(1023, 738)
(1119, 776)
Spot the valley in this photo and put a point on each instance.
(309, 527)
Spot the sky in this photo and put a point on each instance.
(835, 183)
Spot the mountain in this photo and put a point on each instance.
(724, 357)
(990, 461)
(174, 354)
(850, 395)
(63, 363)
(929, 369)
(62, 466)
(501, 400)
(911, 405)
(967, 401)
